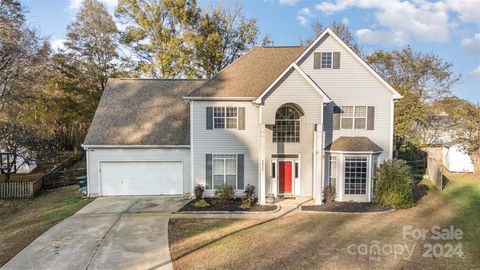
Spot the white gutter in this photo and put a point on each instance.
(133, 146)
(353, 152)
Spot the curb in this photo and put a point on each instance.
(231, 212)
(344, 213)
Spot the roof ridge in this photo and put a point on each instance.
(154, 79)
(280, 46)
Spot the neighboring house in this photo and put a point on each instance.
(288, 120)
(442, 146)
(19, 164)
(456, 160)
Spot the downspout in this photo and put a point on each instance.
(315, 179)
(192, 185)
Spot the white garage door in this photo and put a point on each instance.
(141, 178)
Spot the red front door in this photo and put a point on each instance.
(285, 177)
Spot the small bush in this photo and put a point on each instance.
(199, 189)
(394, 184)
(224, 194)
(250, 191)
(329, 193)
(201, 203)
(247, 202)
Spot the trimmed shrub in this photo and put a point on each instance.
(201, 203)
(199, 189)
(250, 191)
(224, 194)
(247, 202)
(394, 184)
(329, 193)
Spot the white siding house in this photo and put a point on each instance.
(455, 160)
(287, 120)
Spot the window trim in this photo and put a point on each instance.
(353, 117)
(366, 174)
(298, 121)
(224, 169)
(331, 159)
(273, 169)
(296, 169)
(224, 117)
(331, 60)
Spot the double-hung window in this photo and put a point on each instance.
(353, 117)
(326, 60)
(356, 175)
(225, 117)
(225, 170)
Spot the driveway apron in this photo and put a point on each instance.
(109, 233)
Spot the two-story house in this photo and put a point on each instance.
(288, 120)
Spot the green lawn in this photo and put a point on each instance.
(22, 221)
(321, 241)
(463, 192)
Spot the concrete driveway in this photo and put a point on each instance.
(109, 233)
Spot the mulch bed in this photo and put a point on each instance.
(232, 206)
(357, 207)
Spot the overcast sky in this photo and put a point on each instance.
(448, 28)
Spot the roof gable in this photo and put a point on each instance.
(294, 66)
(250, 74)
(329, 32)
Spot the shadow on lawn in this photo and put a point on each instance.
(228, 235)
(321, 241)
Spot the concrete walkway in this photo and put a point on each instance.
(109, 233)
(287, 207)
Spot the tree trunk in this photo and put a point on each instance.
(476, 162)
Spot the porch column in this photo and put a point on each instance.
(261, 165)
(318, 187)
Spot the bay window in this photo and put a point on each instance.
(356, 175)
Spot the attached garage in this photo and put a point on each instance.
(138, 171)
(141, 178)
(139, 140)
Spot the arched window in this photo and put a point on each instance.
(287, 125)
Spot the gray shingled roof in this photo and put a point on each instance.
(142, 112)
(251, 74)
(354, 144)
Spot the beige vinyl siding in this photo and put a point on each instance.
(293, 88)
(353, 85)
(225, 141)
(95, 156)
(304, 149)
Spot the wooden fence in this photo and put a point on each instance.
(56, 177)
(435, 172)
(52, 179)
(20, 190)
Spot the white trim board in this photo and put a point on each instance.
(328, 31)
(221, 98)
(129, 146)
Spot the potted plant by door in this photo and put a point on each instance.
(270, 198)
